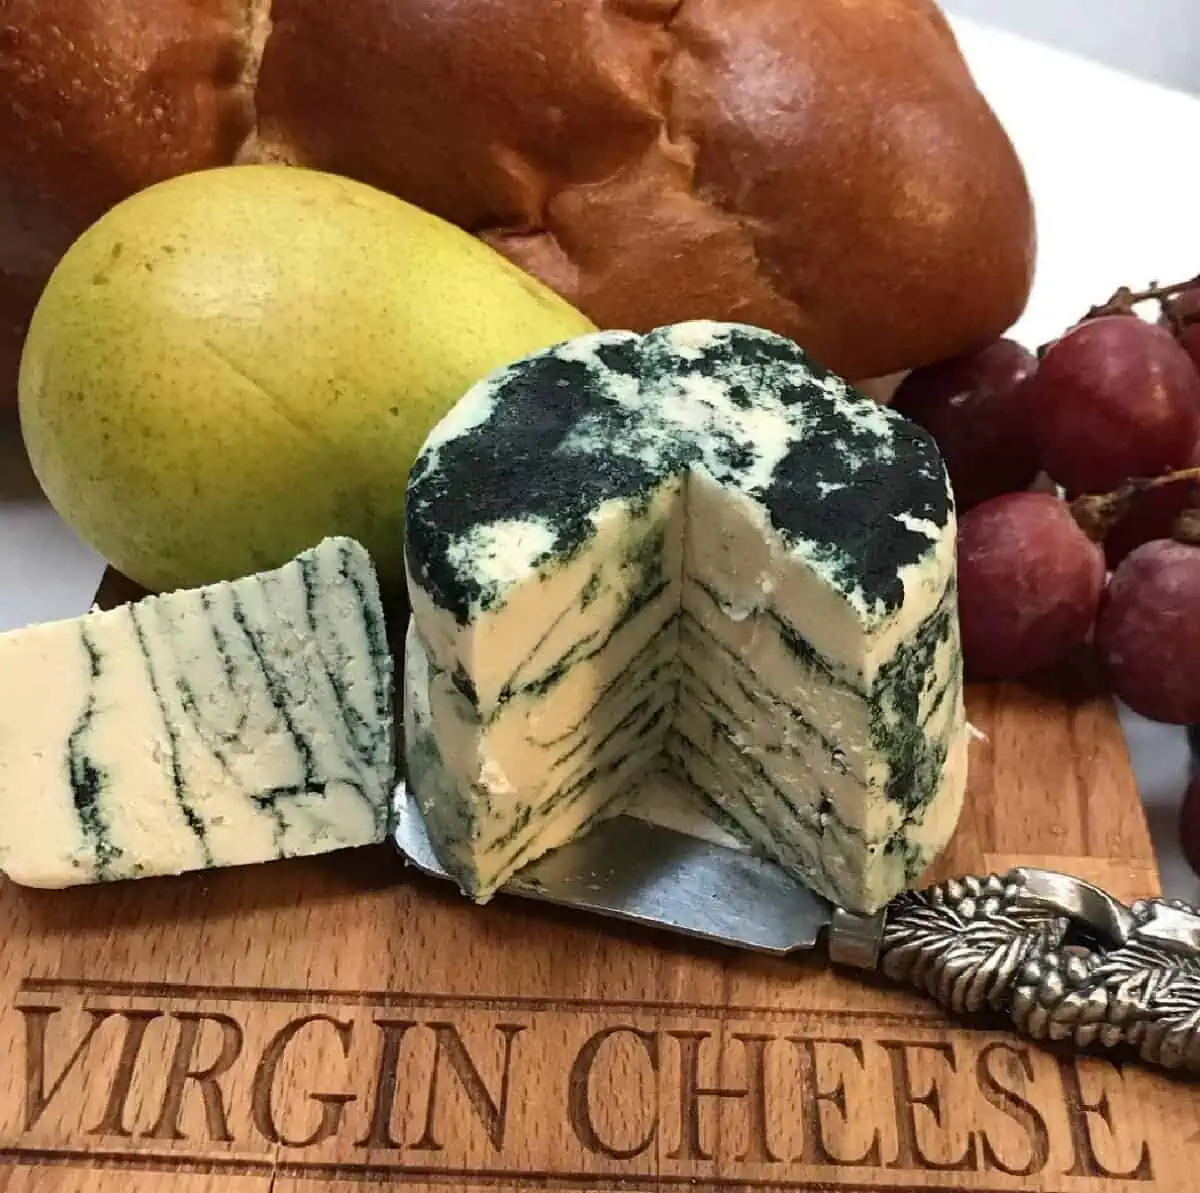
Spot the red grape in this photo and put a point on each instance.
(1148, 631)
(1189, 824)
(1151, 515)
(1115, 397)
(973, 406)
(1029, 581)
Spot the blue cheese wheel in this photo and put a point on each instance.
(235, 723)
(694, 549)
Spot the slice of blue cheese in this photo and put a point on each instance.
(697, 549)
(236, 723)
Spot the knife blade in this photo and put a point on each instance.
(1060, 958)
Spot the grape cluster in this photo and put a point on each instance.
(1076, 473)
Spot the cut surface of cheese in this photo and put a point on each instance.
(694, 549)
(235, 723)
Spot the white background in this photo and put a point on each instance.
(1114, 165)
(1155, 39)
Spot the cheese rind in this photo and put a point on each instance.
(693, 547)
(236, 723)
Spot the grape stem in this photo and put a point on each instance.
(1124, 299)
(1098, 513)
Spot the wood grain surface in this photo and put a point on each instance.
(334, 1023)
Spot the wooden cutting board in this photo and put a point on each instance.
(315, 1025)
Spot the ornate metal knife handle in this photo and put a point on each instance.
(1059, 957)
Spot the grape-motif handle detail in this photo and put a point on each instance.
(1059, 957)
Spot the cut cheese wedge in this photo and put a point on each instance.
(236, 723)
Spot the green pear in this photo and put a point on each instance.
(233, 364)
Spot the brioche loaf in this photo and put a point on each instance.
(825, 169)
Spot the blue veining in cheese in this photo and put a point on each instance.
(696, 548)
(235, 723)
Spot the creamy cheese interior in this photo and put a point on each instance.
(575, 682)
(225, 725)
(666, 643)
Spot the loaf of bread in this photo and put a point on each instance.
(826, 169)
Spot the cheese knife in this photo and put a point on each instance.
(1061, 959)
